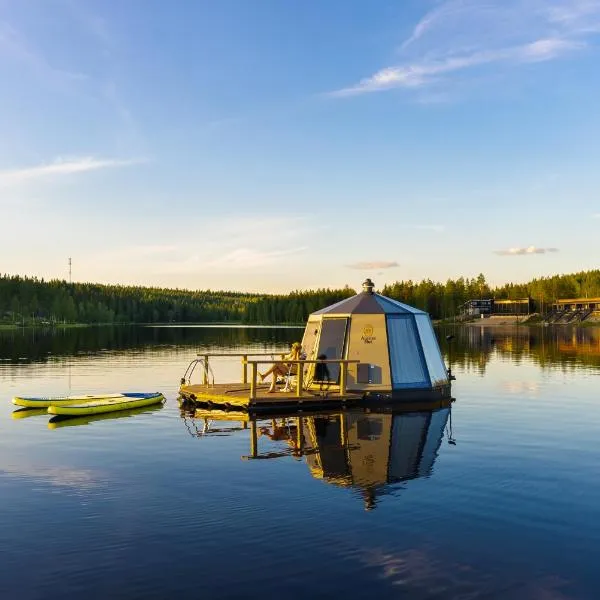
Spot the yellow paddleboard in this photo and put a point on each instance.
(125, 402)
(45, 401)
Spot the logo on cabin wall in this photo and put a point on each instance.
(367, 334)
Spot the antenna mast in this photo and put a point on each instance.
(69, 270)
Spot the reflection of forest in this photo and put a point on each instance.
(37, 345)
(474, 347)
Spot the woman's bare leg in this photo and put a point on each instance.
(277, 369)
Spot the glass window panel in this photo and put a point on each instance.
(431, 349)
(408, 370)
(331, 346)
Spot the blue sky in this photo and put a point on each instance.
(270, 145)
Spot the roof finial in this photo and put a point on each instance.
(368, 286)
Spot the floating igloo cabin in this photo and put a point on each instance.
(395, 343)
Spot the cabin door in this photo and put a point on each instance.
(332, 343)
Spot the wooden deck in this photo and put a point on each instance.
(237, 396)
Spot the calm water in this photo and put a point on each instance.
(499, 498)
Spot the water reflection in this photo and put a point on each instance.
(36, 345)
(369, 452)
(474, 347)
(24, 413)
(68, 421)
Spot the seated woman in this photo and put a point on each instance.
(280, 369)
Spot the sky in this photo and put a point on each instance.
(266, 145)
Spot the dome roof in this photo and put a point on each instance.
(369, 303)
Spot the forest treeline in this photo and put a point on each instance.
(443, 300)
(25, 300)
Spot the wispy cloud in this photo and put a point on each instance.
(249, 258)
(596, 216)
(524, 251)
(94, 25)
(231, 244)
(419, 74)
(463, 35)
(372, 265)
(17, 48)
(61, 167)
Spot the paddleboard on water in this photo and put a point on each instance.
(123, 402)
(45, 401)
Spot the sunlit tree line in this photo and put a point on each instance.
(26, 300)
(292, 308)
(443, 300)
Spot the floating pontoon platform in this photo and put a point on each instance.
(239, 396)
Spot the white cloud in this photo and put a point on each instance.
(419, 74)
(524, 251)
(596, 216)
(60, 167)
(461, 35)
(372, 265)
(579, 14)
(547, 49)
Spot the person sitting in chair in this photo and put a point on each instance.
(281, 369)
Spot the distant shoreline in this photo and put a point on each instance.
(236, 325)
(507, 324)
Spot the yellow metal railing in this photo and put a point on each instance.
(244, 358)
(300, 374)
(204, 360)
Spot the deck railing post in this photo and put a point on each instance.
(299, 379)
(245, 368)
(253, 381)
(206, 369)
(343, 373)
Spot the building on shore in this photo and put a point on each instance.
(491, 306)
(573, 310)
(573, 304)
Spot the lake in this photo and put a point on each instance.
(495, 497)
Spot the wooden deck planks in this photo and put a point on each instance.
(238, 395)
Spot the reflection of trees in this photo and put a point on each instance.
(474, 347)
(38, 344)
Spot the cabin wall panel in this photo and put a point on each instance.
(367, 341)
